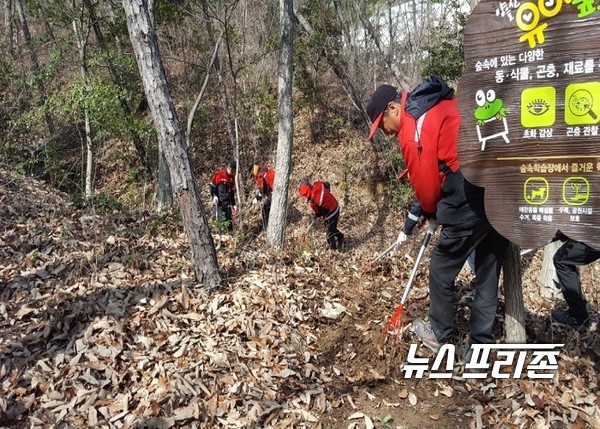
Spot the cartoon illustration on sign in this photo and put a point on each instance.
(538, 107)
(535, 191)
(576, 191)
(581, 101)
(489, 110)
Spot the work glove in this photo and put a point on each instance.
(234, 212)
(215, 201)
(402, 237)
(432, 225)
(254, 201)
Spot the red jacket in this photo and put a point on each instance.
(265, 179)
(322, 200)
(428, 143)
(223, 186)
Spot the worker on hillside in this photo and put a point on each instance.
(324, 205)
(222, 192)
(426, 121)
(566, 259)
(265, 179)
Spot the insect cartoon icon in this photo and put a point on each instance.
(490, 110)
(581, 103)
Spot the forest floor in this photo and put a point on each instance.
(102, 324)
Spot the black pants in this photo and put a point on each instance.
(334, 237)
(566, 259)
(266, 210)
(223, 217)
(447, 259)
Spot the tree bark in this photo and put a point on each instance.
(164, 193)
(548, 276)
(8, 26)
(89, 146)
(145, 46)
(283, 163)
(34, 63)
(514, 324)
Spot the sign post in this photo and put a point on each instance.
(530, 104)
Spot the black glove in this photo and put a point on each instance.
(413, 221)
(415, 217)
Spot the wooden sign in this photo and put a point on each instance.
(529, 99)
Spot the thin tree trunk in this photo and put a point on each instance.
(145, 45)
(34, 63)
(114, 76)
(200, 94)
(8, 29)
(283, 164)
(81, 47)
(513, 296)
(548, 276)
(338, 68)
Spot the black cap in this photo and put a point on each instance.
(378, 103)
(232, 165)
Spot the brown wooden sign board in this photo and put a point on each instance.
(529, 99)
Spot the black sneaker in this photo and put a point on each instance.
(340, 241)
(565, 318)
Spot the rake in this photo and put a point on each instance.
(395, 324)
(368, 265)
(305, 233)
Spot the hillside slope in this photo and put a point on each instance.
(102, 326)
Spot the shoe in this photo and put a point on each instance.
(564, 318)
(340, 240)
(424, 330)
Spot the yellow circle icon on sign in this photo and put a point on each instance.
(582, 103)
(538, 107)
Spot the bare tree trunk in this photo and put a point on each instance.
(164, 193)
(200, 95)
(514, 324)
(338, 68)
(34, 62)
(81, 46)
(548, 276)
(283, 163)
(114, 76)
(229, 107)
(145, 45)
(8, 29)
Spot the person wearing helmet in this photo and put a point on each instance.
(324, 205)
(265, 179)
(222, 192)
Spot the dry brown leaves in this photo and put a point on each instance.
(102, 326)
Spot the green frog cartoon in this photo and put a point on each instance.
(489, 106)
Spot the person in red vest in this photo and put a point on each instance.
(222, 192)
(324, 205)
(265, 179)
(426, 122)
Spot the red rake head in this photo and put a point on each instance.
(394, 326)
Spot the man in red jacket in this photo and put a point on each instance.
(222, 191)
(426, 121)
(265, 179)
(324, 205)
